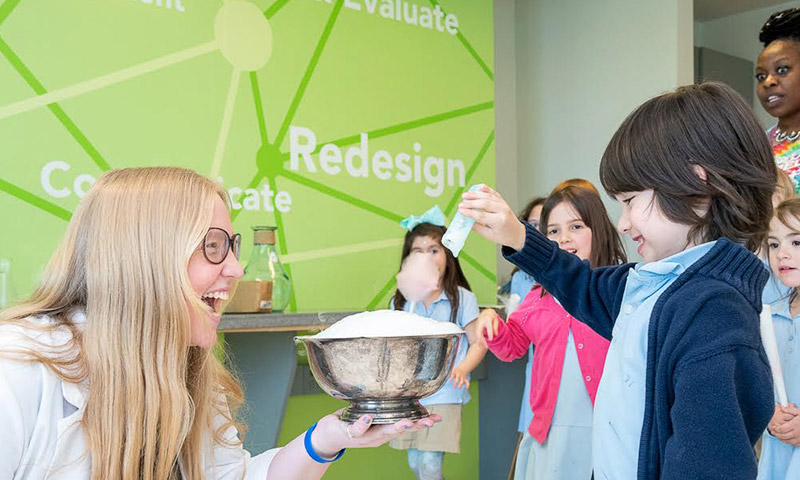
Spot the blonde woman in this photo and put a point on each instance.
(106, 371)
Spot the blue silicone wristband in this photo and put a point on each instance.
(312, 453)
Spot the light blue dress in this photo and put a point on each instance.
(521, 284)
(567, 452)
(439, 310)
(780, 461)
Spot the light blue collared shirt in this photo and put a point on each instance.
(440, 311)
(779, 460)
(521, 284)
(619, 405)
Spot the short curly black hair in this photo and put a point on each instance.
(783, 25)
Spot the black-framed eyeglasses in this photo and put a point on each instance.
(217, 244)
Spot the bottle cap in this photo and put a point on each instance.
(264, 235)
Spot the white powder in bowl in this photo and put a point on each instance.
(387, 323)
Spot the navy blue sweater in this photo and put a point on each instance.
(708, 393)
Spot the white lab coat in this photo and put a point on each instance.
(40, 432)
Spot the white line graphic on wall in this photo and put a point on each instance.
(227, 115)
(342, 250)
(106, 80)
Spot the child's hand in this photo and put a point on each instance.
(778, 418)
(787, 426)
(494, 219)
(459, 377)
(781, 415)
(487, 323)
(332, 434)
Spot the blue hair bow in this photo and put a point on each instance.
(433, 216)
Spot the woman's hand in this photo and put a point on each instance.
(293, 462)
(487, 323)
(494, 219)
(332, 434)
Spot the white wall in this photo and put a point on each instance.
(737, 35)
(505, 108)
(581, 68)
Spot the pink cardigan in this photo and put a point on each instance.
(540, 320)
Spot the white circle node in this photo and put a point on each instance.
(244, 35)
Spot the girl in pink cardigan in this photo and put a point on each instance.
(568, 356)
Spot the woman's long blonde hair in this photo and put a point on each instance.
(124, 261)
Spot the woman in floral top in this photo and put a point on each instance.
(778, 87)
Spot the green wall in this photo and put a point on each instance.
(236, 90)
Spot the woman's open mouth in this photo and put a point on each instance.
(214, 299)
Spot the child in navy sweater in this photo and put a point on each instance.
(687, 390)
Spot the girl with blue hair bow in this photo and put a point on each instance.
(451, 301)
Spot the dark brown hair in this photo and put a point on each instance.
(453, 275)
(709, 126)
(525, 213)
(607, 248)
(533, 203)
(788, 211)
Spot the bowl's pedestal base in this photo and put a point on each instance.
(385, 411)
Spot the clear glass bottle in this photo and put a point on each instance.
(264, 264)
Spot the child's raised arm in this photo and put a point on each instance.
(592, 296)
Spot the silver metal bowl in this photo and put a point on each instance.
(382, 376)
